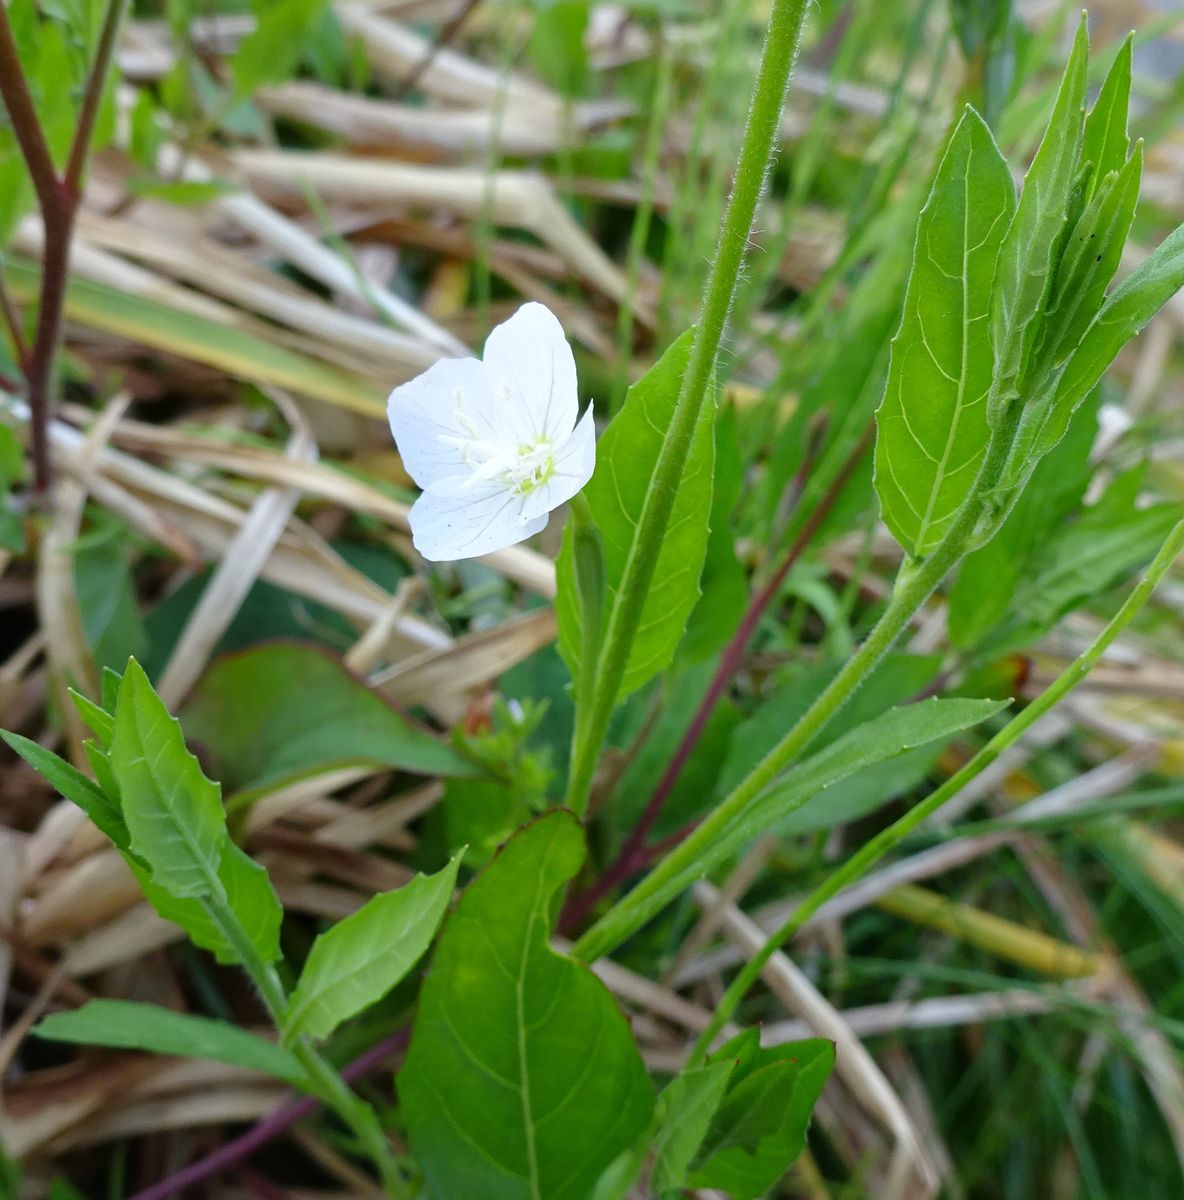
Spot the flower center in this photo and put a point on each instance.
(521, 468)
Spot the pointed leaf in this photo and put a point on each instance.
(356, 962)
(689, 1102)
(1105, 143)
(522, 1081)
(932, 424)
(625, 458)
(1026, 259)
(99, 719)
(127, 1025)
(173, 812)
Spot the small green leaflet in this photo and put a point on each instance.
(689, 1102)
(1027, 256)
(358, 960)
(127, 1025)
(932, 424)
(617, 493)
(760, 1126)
(522, 1081)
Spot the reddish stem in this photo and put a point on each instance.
(233, 1152)
(635, 854)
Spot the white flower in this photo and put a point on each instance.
(494, 445)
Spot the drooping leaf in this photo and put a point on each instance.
(760, 1126)
(127, 1025)
(278, 712)
(355, 962)
(522, 1081)
(625, 458)
(1027, 258)
(688, 1105)
(932, 424)
(173, 813)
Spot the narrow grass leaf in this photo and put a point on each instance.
(127, 1025)
(522, 1080)
(356, 962)
(932, 424)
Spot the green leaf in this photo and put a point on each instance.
(127, 1025)
(271, 52)
(1091, 257)
(100, 721)
(184, 193)
(1104, 143)
(625, 460)
(760, 1127)
(72, 784)
(249, 895)
(876, 741)
(1027, 256)
(172, 811)
(1126, 310)
(357, 961)
(522, 1081)
(557, 46)
(688, 1103)
(932, 424)
(279, 712)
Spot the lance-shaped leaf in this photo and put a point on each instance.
(173, 813)
(1126, 310)
(625, 459)
(357, 961)
(932, 424)
(1104, 143)
(688, 1104)
(127, 1025)
(1027, 258)
(522, 1081)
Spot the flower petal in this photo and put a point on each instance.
(574, 463)
(529, 355)
(426, 414)
(460, 520)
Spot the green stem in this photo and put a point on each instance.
(324, 1080)
(871, 853)
(915, 583)
(756, 152)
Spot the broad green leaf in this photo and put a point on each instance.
(172, 811)
(128, 1025)
(238, 353)
(522, 1081)
(625, 460)
(760, 1127)
(356, 962)
(1091, 257)
(932, 424)
(876, 741)
(271, 52)
(1126, 310)
(688, 1104)
(275, 713)
(1104, 142)
(72, 784)
(1027, 256)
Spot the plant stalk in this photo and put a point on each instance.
(871, 853)
(756, 152)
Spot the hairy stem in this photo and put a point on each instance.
(756, 152)
(871, 853)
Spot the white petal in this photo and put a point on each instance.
(427, 411)
(574, 463)
(529, 354)
(453, 521)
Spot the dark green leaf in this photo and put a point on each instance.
(276, 713)
(688, 1105)
(357, 961)
(522, 1080)
(625, 460)
(130, 1026)
(932, 424)
(271, 52)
